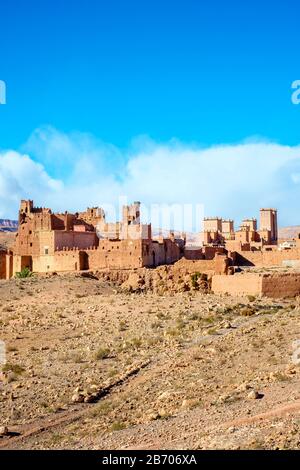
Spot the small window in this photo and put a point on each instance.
(46, 251)
(30, 244)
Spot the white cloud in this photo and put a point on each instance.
(76, 170)
(21, 177)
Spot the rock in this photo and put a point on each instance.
(164, 395)
(92, 398)
(134, 283)
(231, 430)
(188, 404)
(162, 413)
(3, 430)
(153, 416)
(77, 398)
(291, 370)
(244, 387)
(254, 395)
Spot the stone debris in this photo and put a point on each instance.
(3, 431)
(254, 395)
(139, 367)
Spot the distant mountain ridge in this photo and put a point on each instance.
(289, 232)
(7, 225)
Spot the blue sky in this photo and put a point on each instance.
(203, 73)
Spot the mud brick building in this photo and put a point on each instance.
(57, 242)
(220, 232)
(48, 242)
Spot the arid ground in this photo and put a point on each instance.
(92, 367)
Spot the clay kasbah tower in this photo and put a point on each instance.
(149, 233)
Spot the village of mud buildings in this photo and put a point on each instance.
(119, 336)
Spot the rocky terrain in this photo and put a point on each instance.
(92, 364)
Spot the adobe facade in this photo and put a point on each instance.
(6, 264)
(275, 285)
(49, 242)
(2, 264)
(220, 232)
(58, 242)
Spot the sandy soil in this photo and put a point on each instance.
(173, 371)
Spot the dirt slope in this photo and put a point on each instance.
(205, 359)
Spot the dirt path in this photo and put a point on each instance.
(21, 433)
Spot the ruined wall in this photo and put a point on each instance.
(266, 258)
(191, 266)
(130, 254)
(165, 252)
(56, 253)
(93, 215)
(239, 284)
(210, 251)
(27, 241)
(42, 233)
(124, 254)
(41, 220)
(61, 261)
(67, 260)
(80, 240)
(281, 285)
(193, 254)
(222, 263)
(62, 221)
(275, 285)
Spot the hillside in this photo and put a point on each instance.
(91, 367)
(7, 225)
(289, 232)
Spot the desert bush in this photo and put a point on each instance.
(25, 273)
(117, 426)
(15, 368)
(102, 353)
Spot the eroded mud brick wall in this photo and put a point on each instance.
(281, 285)
(2, 265)
(266, 258)
(123, 254)
(250, 284)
